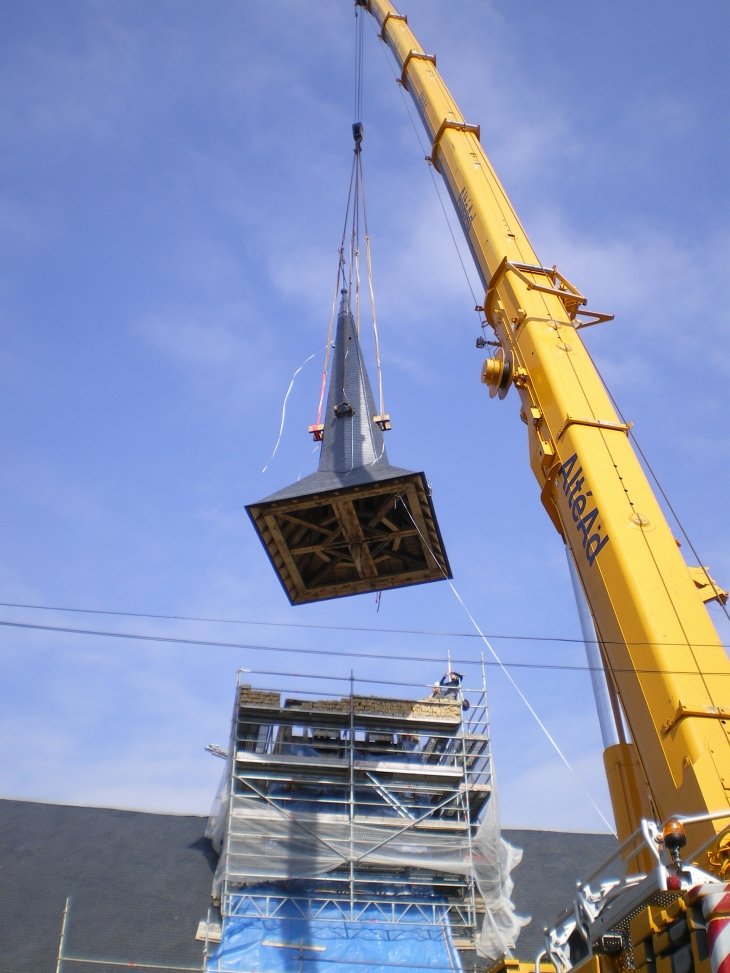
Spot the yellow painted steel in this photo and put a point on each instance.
(665, 658)
(629, 798)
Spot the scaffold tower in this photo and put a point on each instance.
(362, 814)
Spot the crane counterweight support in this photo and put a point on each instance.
(659, 641)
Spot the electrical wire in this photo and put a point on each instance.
(333, 653)
(345, 679)
(333, 628)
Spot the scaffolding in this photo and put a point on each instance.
(365, 809)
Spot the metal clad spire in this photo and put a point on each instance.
(351, 438)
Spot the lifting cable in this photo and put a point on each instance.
(348, 261)
(427, 153)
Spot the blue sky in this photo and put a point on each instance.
(173, 185)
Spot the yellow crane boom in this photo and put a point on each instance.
(663, 656)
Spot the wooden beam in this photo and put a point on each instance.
(378, 535)
(390, 535)
(353, 534)
(316, 548)
(409, 559)
(417, 514)
(283, 549)
(316, 578)
(382, 510)
(348, 520)
(302, 523)
(376, 551)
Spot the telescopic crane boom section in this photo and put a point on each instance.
(663, 655)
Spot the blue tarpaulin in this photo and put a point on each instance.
(331, 943)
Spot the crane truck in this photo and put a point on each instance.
(661, 902)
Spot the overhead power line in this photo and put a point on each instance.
(326, 628)
(334, 653)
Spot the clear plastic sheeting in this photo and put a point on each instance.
(291, 942)
(493, 861)
(218, 819)
(283, 845)
(364, 800)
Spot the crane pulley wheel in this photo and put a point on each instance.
(497, 373)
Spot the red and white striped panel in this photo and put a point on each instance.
(718, 941)
(714, 896)
(715, 900)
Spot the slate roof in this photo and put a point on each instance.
(552, 862)
(140, 883)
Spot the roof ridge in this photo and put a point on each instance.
(105, 807)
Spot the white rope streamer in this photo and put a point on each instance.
(299, 475)
(527, 704)
(283, 408)
(507, 674)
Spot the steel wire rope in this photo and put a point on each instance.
(674, 513)
(358, 154)
(355, 257)
(336, 653)
(371, 424)
(335, 628)
(358, 64)
(359, 199)
(355, 197)
(358, 222)
(631, 433)
(710, 581)
(368, 258)
(340, 276)
(509, 676)
(687, 644)
(433, 179)
(329, 347)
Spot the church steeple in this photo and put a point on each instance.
(358, 524)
